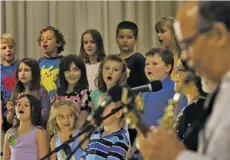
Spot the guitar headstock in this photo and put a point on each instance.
(169, 118)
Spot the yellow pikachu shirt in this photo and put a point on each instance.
(49, 73)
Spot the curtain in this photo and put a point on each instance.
(25, 19)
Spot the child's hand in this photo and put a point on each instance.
(10, 106)
(131, 152)
(102, 98)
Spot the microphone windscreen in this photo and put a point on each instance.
(115, 93)
(156, 85)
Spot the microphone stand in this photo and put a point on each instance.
(93, 129)
(88, 128)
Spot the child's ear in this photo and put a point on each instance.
(119, 114)
(168, 68)
(58, 44)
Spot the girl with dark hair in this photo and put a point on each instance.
(74, 85)
(92, 51)
(26, 140)
(189, 84)
(28, 81)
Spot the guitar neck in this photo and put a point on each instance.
(142, 127)
(134, 119)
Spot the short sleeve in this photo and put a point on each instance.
(86, 100)
(45, 108)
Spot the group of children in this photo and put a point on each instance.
(48, 100)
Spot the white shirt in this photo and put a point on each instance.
(217, 129)
(92, 72)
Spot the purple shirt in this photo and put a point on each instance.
(26, 147)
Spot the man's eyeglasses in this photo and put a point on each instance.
(180, 70)
(186, 43)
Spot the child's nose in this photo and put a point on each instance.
(45, 40)
(23, 72)
(7, 49)
(71, 72)
(89, 44)
(148, 67)
(110, 71)
(159, 34)
(66, 120)
(125, 39)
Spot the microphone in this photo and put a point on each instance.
(114, 95)
(153, 86)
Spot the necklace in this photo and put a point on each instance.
(193, 100)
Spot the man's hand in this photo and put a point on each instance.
(159, 144)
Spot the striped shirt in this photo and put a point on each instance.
(110, 147)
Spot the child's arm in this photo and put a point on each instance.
(86, 107)
(52, 147)
(85, 144)
(81, 118)
(83, 156)
(132, 150)
(42, 142)
(10, 112)
(45, 102)
(6, 147)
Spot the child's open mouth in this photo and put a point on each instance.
(9, 55)
(21, 112)
(149, 73)
(45, 46)
(161, 41)
(23, 78)
(109, 78)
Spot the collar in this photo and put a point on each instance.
(225, 80)
(166, 80)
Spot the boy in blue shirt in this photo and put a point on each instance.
(158, 66)
(8, 65)
(8, 72)
(51, 42)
